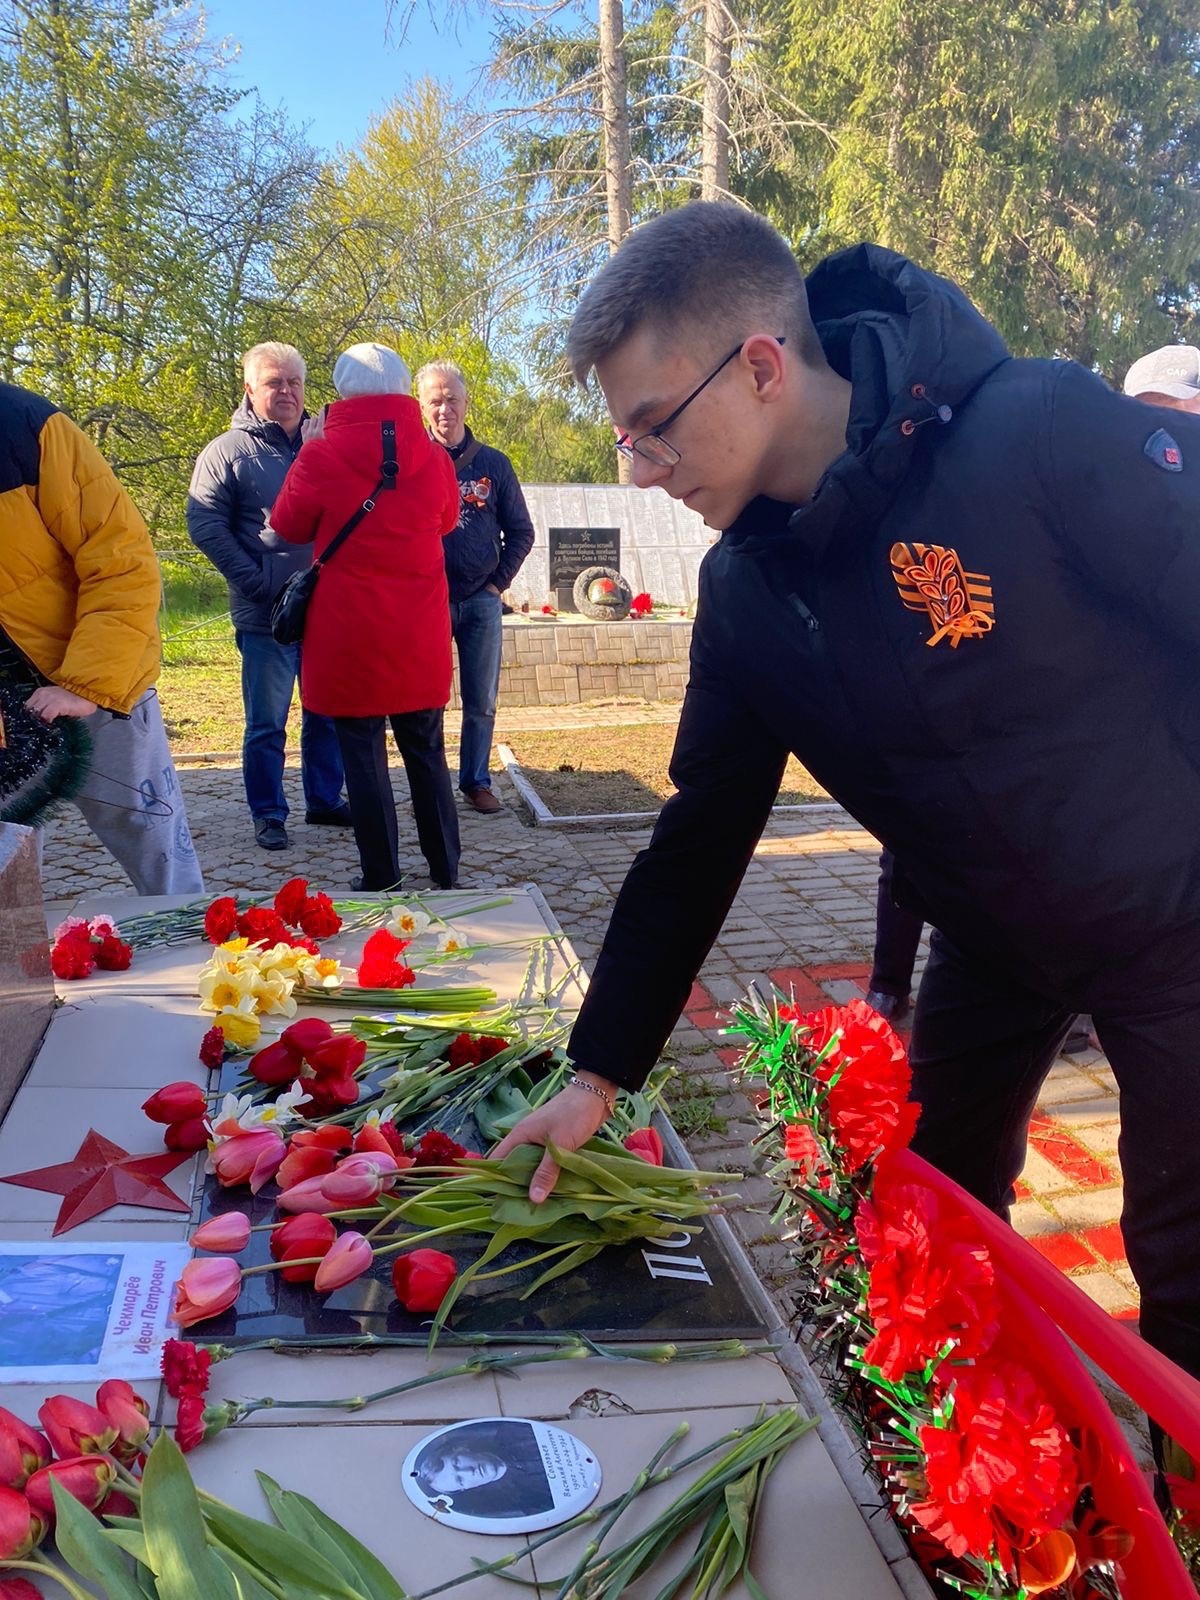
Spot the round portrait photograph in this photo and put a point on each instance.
(501, 1475)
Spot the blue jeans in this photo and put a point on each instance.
(269, 673)
(476, 625)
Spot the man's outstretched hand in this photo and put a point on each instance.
(568, 1121)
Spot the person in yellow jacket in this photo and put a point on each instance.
(79, 597)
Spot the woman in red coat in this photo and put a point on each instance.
(377, 634)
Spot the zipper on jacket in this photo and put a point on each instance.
(806, 616)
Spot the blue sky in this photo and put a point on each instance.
(332, 64)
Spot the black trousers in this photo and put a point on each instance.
(897, 937)
(981, 1048)
(422, 747)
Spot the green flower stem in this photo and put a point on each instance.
(591, 1549)
(47, 1569)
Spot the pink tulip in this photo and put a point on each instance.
(22, 1450)
(227, 1234)
(206, 1288)
(252, 1158)
(128, 1413)
(85, 1478)
(349, 1258)
(74, 1428)
(360, 1179)
(21, 1527)
(307, 1195)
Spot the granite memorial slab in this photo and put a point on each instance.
(26, 986)
(573, 551)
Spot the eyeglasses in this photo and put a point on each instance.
(652, 446)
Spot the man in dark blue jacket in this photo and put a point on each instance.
(235, 483)
(483, 556)
(965, 591)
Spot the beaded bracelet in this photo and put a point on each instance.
(592, 1088)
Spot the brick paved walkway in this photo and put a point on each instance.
(804, 920)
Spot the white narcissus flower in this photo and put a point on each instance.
(407, 922)
(450, 943)
(239, 1114)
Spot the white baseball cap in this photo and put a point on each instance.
(1173, 370)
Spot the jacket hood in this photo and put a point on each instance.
(352, 428)
(914, 349)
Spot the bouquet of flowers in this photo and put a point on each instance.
(1000, 1457)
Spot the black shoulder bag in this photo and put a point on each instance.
(291, 603)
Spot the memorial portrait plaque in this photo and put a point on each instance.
(572, 551)
(501, 1475)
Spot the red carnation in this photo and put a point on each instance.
(262, 925)
(301, 941)
(437, 1149)
(113, 954)
(72, 958)
(640, 605)
(185, 1367)
(289, 900)
(380, 966)
(212, 1047)
(868, 1076)
(189, 1422)
(471, 1050)
(220, 920)
(1002, 1472)
(931, 1280)
(318, 918)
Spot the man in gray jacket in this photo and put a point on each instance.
(235, 483)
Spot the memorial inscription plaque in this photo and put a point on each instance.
(572, 551)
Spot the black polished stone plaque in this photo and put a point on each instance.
(574, 550)
(681, 1287)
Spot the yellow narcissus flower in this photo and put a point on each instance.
(406, 922)
(240, 1024)
(224, 987)
(274, 996)
(324, 973)
(449, 943)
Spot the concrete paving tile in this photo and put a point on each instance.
(1090, 1209)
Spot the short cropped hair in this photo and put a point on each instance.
(271, 350)
(440, 369)
(711, 265)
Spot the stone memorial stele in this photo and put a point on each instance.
(602, 595)
(26, 985)
(574, 550)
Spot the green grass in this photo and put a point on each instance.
(201, 683)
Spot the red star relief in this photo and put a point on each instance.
(102, 1175)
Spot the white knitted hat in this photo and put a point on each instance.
(370, 369)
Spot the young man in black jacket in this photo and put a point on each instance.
(483, 556)
(964, 589)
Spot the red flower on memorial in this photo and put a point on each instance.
(72, 958)
(289, 900)
(185, 1367)
(189, 1422)
(931, 1280)
(1002, 1472)
(318, 917)
(641, 605)
(212, 1047)
(220, 920)
(380, 966)
(473, 1049)
(437, 1149)
(868, 1079)
(263, 925)
(422, 1277)
(306, 1239)
(113, 954)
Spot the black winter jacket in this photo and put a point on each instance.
(236, 481)
(494, 533)
(1036, 770)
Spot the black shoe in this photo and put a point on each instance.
(339, 817)
(270, 833)
(889, 1006)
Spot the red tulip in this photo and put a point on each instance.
(116, 1504)
(327, 1138)
(206, 1288)
(188, 1136)
(647, 1143)
(349, 1257)
(22, 1450)
(311, 1155)
(21, 1528)
(74, 1428)
(374, 1136)
(85, 1478)
(176, 1102)
(337, 1057)
(252, 1158)
(228, 1233)
(298, 1239)
(18, 1589)
(275, 1064)
(422, 1277)
(327, 1096)
(305, 1034)
(128, 1413)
